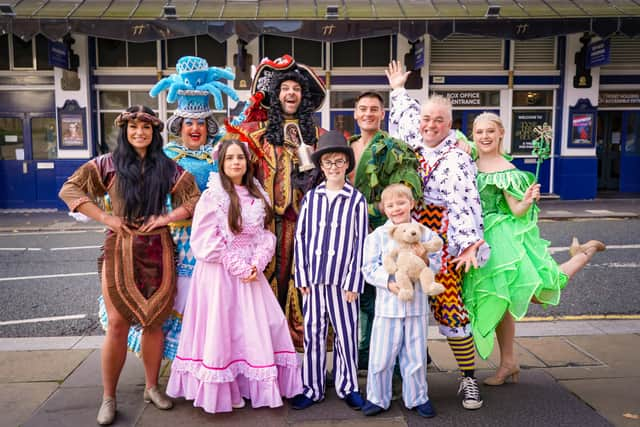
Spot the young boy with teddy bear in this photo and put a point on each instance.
(400, 324)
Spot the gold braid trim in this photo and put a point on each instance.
(286, 159)
(256, 136)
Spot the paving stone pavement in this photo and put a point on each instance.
(575, 373)
(566, 380)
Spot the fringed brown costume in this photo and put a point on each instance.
(139, 268)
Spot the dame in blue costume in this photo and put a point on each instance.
(197, 132)
(520, 269)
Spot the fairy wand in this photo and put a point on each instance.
(541, 147)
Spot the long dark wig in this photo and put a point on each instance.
(145, 182)
(274, 132)
(235, 211)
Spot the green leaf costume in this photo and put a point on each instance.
(384, 161)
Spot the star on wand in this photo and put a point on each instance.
(541, 147)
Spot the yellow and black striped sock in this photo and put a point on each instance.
(464, 353)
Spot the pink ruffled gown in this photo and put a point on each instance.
(235, 342)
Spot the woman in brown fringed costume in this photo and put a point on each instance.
(137, 264)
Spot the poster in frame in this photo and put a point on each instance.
(524, 123)
(72, 126)
(582, 125)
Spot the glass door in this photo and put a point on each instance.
(44, 152)
(608, 143)
(630, 152)
(17, 189)
(27, 151)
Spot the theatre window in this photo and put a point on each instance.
(17, 54)
(368, 52)
(118, 53)
(203, 46)
(307, 52)
(530, 109)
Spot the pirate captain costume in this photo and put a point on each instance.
(276, 143)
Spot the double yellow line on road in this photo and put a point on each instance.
(582, 317)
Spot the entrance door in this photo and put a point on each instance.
(630, 152)
(27, 152)
(608, 149)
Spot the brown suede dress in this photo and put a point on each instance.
(139, 268)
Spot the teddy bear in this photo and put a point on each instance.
(406, 265)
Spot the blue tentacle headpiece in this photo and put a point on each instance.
(192, 85)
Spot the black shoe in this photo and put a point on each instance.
(396, 387)
(301, 402)
(470, 393)
(354, 400)
(370, 409)
(330, 380)
(426, 410)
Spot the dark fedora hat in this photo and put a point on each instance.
(333, 142)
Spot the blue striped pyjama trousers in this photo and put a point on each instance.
(392, 337)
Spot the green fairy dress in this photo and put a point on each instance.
(519, 267)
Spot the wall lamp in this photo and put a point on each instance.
(332, 12)
(7, 10)
(169, 11)
(493, 11)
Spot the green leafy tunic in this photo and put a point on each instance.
(519, 267)
(384, 161)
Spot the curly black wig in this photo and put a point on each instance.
(275, 132)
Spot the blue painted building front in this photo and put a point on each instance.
(527, 82)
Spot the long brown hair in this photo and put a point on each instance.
(235, 212)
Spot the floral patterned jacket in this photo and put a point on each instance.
(448, 174)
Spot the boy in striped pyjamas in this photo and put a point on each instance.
(330, 234)
(399, 327)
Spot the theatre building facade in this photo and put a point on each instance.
(579, 75)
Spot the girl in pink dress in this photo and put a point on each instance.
(235, 343)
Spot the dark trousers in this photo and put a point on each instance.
(367, 313)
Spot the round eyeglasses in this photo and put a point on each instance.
(338, 163)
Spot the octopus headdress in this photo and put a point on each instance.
(191, 87)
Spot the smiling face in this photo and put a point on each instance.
(290, 97)
(334, 166)
(487, 134)
(397, 207)
(234, 164)
(193, 133)
(139, 135)
(369, 114)
(435, 123)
